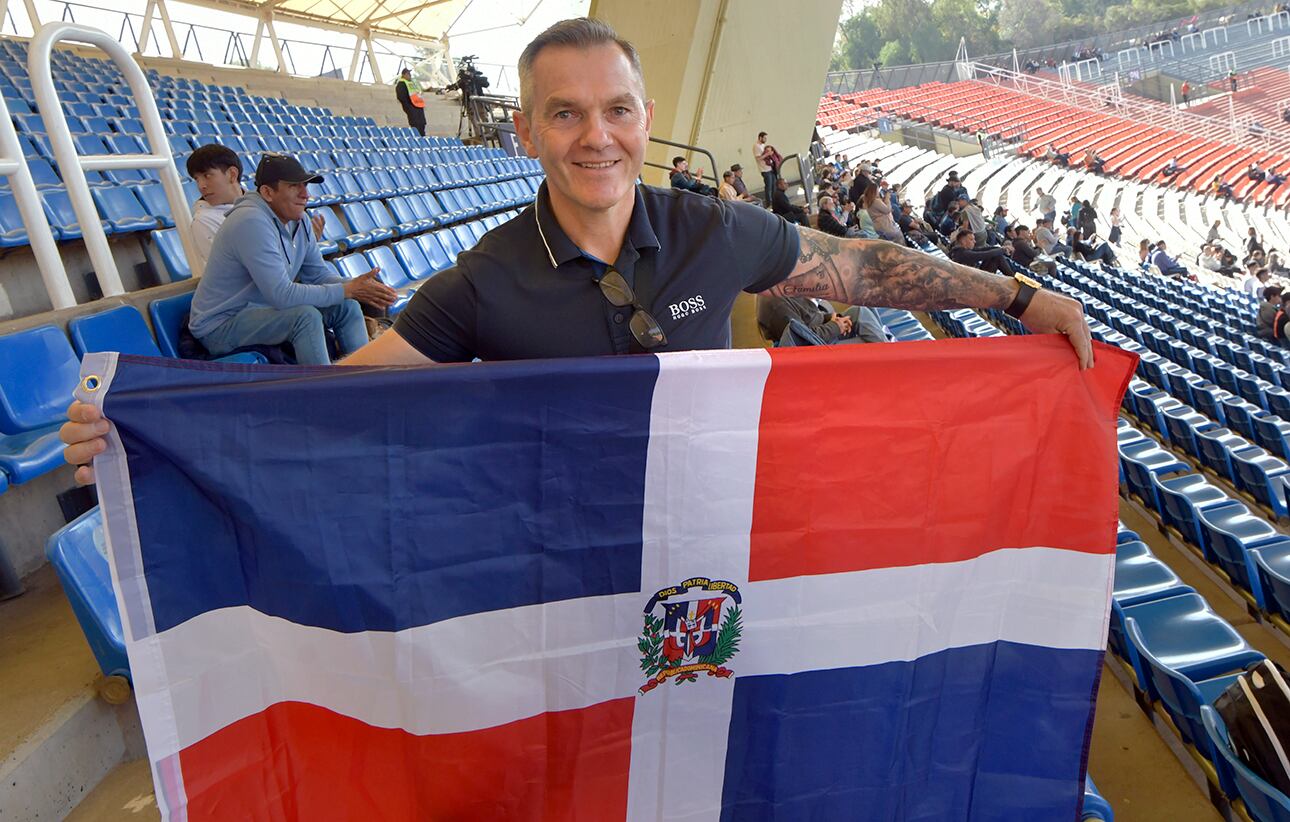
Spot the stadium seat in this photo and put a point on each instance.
(1182, 498)
(1183, 633)
(170, 314)
(120, 329)
(436, 253)
(79, 556)
(121, 211)
(334, 237)
(1143, 459)
(392, 272)
(1230, 532)
(363, 231)
(352, 265)
(38, 371)
(1183, 698)
(1261, 801)
(62, 218)
(1095, 808)
(13, 232)
(413, 259)
(171, 250)
(155, 203)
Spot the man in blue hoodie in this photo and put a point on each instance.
(265, 283)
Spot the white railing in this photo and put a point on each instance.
(1216, 30)
(1160, 46)
(72, 165)
(1280, 47)
(1222, 63)
(1194, 39)
(13, 166)
(1130, 56)
(1134, 109)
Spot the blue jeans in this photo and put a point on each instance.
(300, 325)
(768, 178)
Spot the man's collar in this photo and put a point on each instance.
(560, 249)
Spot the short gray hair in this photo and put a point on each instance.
(578, 33)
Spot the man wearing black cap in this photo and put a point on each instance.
(265, 283)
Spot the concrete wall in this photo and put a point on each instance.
(722, 70)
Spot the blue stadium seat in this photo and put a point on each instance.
(155, 203)
(1141, 577)
(1185, 634)
(61, 216)
(1096, 808)
(434, 250)
(1140, 461)
(352, 265)
(1215, 445)
(363, 231)
(12, 230)
(1272, 563)
(413, 259)
(1183, 698)
(1182, 498)
(171, 250)
(392, 272)
(381, 217)
(409, 221)
(121, 211)
(170, 314)
(38, 371)
(465, 237)
(120, 329)
(1230, 532)
(335, 237)
(79, 556)
(1262, 801)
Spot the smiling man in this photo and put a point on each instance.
(603, 265)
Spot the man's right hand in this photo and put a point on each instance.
(843, 322)
(366, 288)
(84, 435)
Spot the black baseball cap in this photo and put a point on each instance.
(281, 168)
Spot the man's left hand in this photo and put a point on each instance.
(317, 221)
(1053, 313)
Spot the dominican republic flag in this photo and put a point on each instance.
(855, 583)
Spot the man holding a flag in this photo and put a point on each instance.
(541, 285)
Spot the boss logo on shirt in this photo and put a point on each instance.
(684, 308)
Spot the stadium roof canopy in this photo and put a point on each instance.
(418, 21)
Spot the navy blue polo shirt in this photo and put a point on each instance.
(527, 291)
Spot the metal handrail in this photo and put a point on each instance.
(72, 165)
(688, 147)
(13, 166)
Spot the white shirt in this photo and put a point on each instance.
(758, 150)
(206, 222)
(1252, 286)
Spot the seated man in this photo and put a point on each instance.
(1026, 255)
(963, 250)
(1048, 242)
(740, 187)
(265, 283)
(1275, 178)
(856, 325)
(913, 228)
(1254, 172)
(1052, 155)
(1257, 280)
(728, 190)
(683, 179)
(830, 221)
(1171, 168)
(1268, 311)
(1093, 162)
(1091, 253)
(1167, 265)
(780, 204)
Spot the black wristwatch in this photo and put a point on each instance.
(1024, 294)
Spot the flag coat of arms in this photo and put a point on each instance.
(865, 583)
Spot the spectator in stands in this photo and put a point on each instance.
(1145, 250)
(1092, 161)
(1001, 220)
(411, 101)
(1268, 311)
(217, 170)
(1186, 92)
(1072, 217)
(740, 187)
(974, 217)
(682, 178)
(1087, 221)
(1026, 255)
(730, 188)
(1114, 237)
(763, 155)
(1253, 242)
(1209, 258)
(1255, 173)
(1275, 267)
(951, 191)
(830, 221)
(1171, 168)
(856, 325)
(265, 283)
(1047, 240)
(1052, 155)
(964, 250)
(1218, 188)
(844, 184)
(1285, 115)
(1232, 80)
(1279, 322)
(1168, 265)
(915, 230)
(879, 208)
(1091, 253)
(781, 205)
(1256, 281)
(1275, 178)
(1214, 231)
(1046, 205)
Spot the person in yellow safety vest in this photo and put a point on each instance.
(410, 99)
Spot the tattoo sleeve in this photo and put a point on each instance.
(880, 273)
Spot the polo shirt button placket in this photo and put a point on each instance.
(618, 318)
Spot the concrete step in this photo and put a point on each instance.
(124, 795)
(58, 738)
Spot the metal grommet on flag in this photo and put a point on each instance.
(92, 383)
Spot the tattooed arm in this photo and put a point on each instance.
(879, 273)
